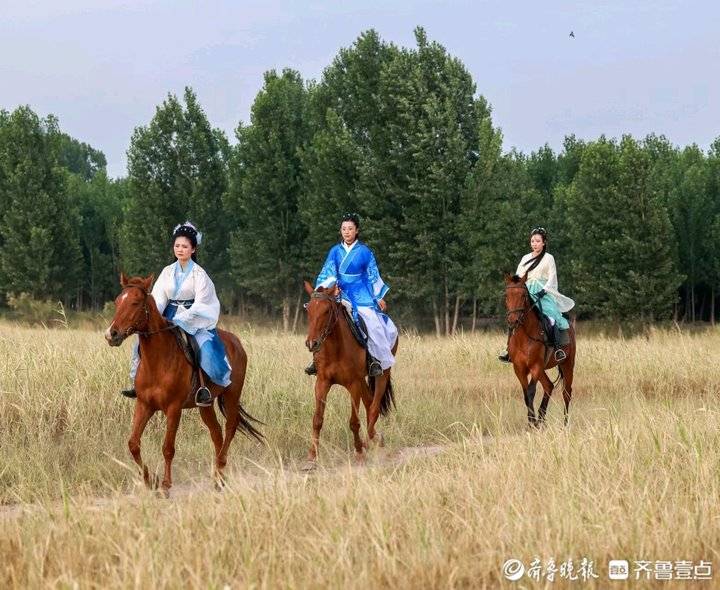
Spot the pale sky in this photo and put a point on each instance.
(103, 66)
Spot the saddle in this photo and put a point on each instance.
(188, 344)
(359, 329)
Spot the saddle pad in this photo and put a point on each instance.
(358, 331)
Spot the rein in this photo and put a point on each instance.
(524, 310)
(148, 333)
(332, 320)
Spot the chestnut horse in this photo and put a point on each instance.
(164, 377)
(529, 353)
(340, 360)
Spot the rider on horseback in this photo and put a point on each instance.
(542, 283)
(185, 295)
(351, 265)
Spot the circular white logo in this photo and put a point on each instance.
(513, 569)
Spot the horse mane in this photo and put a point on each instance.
(516, 278)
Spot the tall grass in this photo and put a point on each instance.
(635, 475)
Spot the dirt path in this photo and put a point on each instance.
(255, 479)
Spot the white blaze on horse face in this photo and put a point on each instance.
(108, 333)
(124, 297)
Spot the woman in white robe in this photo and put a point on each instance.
(542, 283)
(185, 295)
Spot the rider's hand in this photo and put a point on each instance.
(382, 305)
(540, 294)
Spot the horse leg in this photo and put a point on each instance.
(367, 399)
(547, 386)
(173, 422)
(567, 390)
(210, 419)
(528, 391)
(321, 391)
(140, 419)
(232, 421)
(355, 396)
(374, 411)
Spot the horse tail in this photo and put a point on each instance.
(245, 421)
(387, 402)
(245, 425)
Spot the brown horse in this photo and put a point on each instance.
(164, 377)
(340, 360)
(529, 353)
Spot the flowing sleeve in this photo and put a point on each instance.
(204, 313)
(159, 291)
(377, 285)
(552, 280)
(328, 275)
(522, 269)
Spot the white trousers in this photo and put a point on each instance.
(382, 335)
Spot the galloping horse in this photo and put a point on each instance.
(164, 378)
(529, 353)
(340, 360)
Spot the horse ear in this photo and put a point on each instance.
(308, 288)
(148, 282)
(123, 280)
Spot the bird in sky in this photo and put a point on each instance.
(572, 34)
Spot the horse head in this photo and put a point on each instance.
(517, 299)
(132, 311)
(322, 310)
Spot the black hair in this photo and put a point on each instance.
(354, 217)
(535, 260)
(189, 232)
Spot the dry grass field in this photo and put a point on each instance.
(461, 486)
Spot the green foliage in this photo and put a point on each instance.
(266, 249)
(177, 171)
(39, 252)
(622, 245)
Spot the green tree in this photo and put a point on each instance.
(267, 249)
(621, 237)
(177, 171)
(39, 252)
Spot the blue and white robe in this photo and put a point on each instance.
(188, 299)
(354, 269)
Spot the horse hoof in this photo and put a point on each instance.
(309, 466)
(360, 458)
(163, 493)
(378, 440)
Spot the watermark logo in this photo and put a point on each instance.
(513, 569)
(583, 570)
(618, 569)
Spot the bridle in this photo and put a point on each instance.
(523, 311)
(133, 329)
(332, 320)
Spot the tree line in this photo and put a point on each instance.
(401, 137)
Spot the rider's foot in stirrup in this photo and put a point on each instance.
(375, 368)
(504, 357)
(131, 393)
(203, 397)
(311, 369)
(560, 355)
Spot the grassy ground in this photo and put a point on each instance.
(635, 476)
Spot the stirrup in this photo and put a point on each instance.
(131, 393)
(560, 355)
(375, 368)
(203, 397)
(311, 369)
